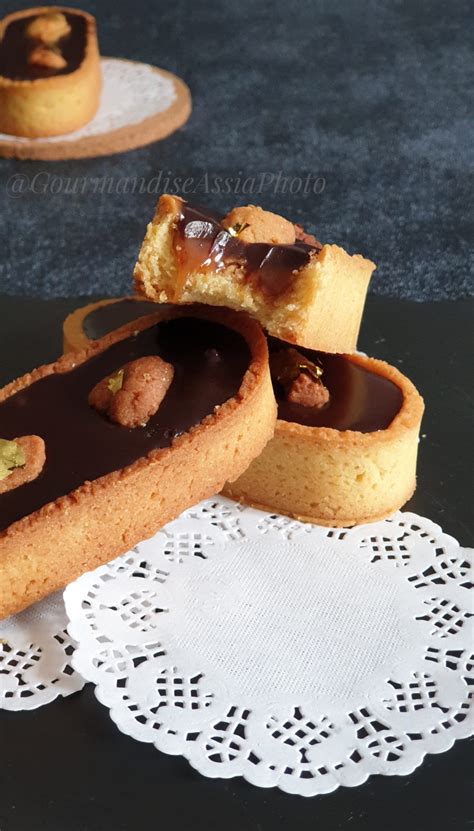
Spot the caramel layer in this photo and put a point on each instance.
(202, 244)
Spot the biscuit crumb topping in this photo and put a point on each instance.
(46, 56)
(133, 394)
(21, 461)
(48, 28)
(252, 224)
(300, 378)
(308, 392)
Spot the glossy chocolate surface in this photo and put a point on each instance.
(210, 361)
(202, 243)
(359, 399)
(15, 47)
(105, 319)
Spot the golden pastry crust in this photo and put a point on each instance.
(333, 477)
(322, 309)
(74, 336)
(43, 551)
(53, 105)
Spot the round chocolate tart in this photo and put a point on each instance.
(50, 77)
(350, 460)
(85, 325)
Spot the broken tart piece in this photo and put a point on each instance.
(300, 291)
(127, 434)
(346, 440)
(49, 71)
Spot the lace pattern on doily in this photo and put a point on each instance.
(189, 642)
(35, 657)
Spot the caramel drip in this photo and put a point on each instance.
(202, 244)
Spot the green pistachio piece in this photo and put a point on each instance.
(115, 382)
(11, 456)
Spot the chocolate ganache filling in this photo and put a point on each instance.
(203, 244)
(105, 319)
(15, 48)
(359, 399)
(209, 363)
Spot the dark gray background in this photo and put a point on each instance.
(372, 96)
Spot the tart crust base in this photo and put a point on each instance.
(74, 336)
(101, 519)
(338, 478)
(321, 310)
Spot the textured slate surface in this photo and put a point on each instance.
(372, 97)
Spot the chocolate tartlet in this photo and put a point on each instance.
(351, 456)
(300, 291)
(49, 71)
(102, 485)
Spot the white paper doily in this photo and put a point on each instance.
(35, 655)
(293, 655)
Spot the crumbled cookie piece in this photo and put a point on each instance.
(252, 224)
(307, 391)
(45, 56)
(134, 393)
(300, 378)
(287, 363)
(21, 461)
(309, 239)
(48, 28)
